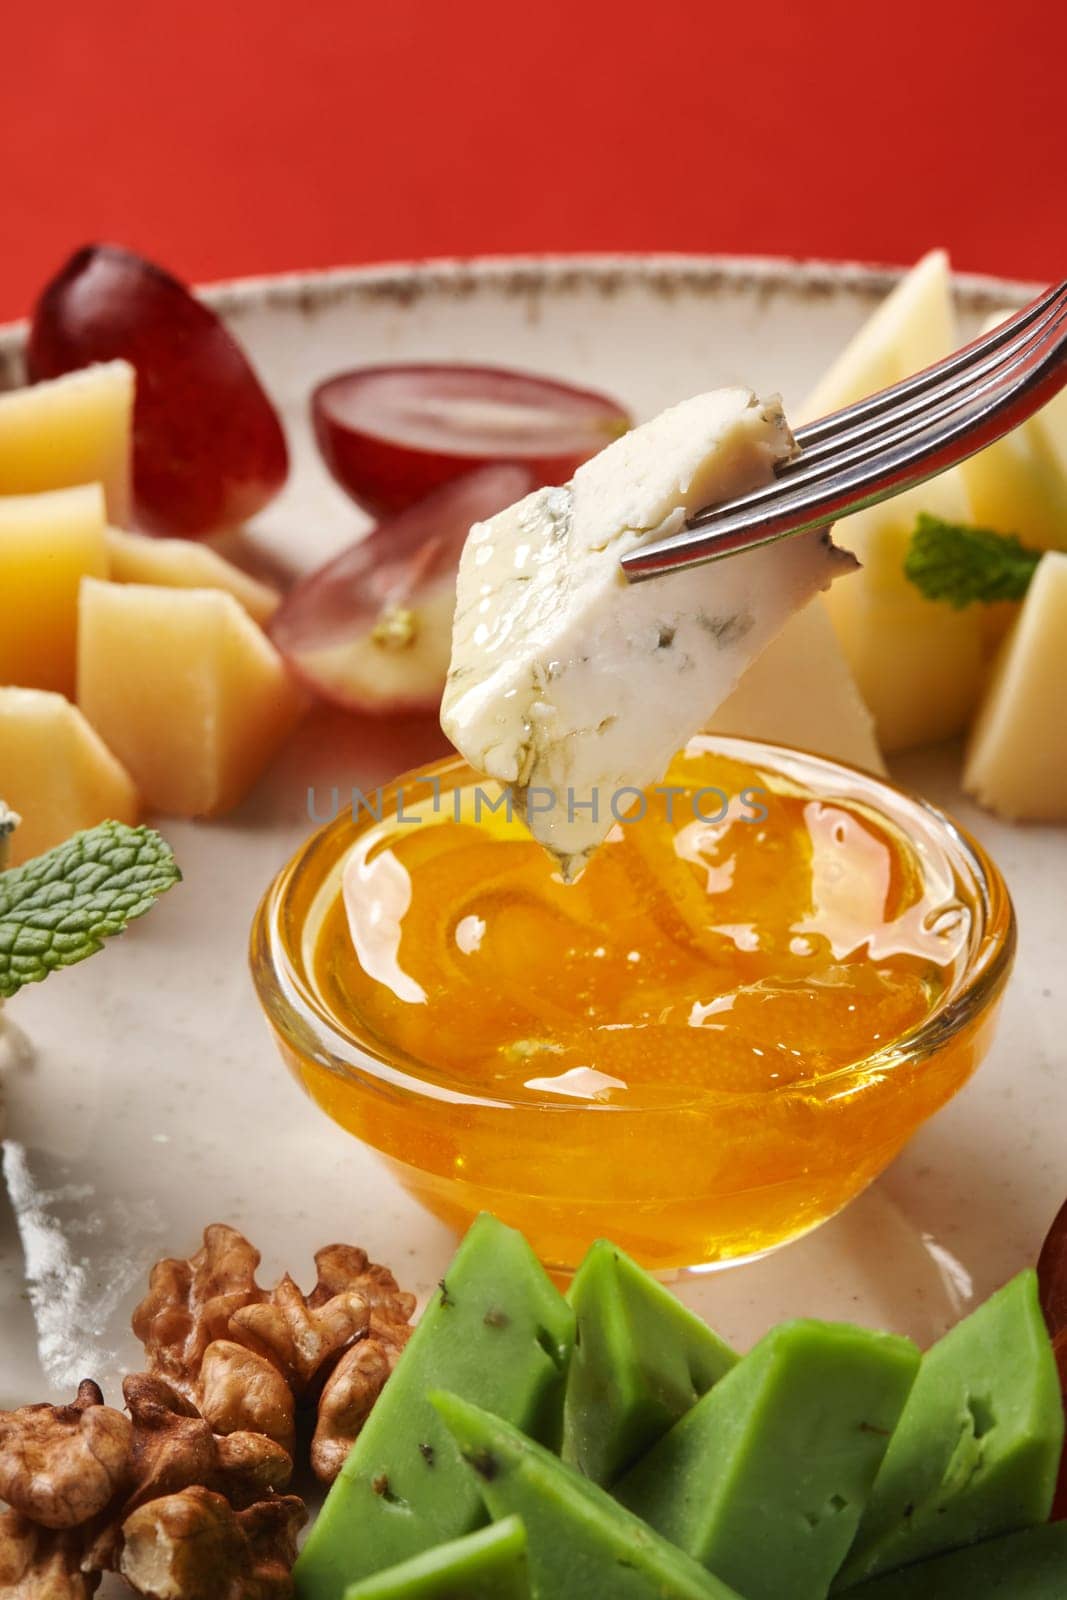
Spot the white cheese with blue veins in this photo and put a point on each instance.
(570, 685)
(9, 821)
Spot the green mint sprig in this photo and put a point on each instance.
(967, 566)
(60, 907)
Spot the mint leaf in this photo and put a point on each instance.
(60, 907)
(967, 566)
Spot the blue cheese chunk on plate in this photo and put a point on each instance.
(575, 688)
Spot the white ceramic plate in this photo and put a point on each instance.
(149, 1099)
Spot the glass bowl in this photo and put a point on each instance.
(682, 1186)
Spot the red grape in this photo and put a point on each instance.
(372, 629)
(391, 434)
(208, 449)
(1052, 1274)
(1052, 1277)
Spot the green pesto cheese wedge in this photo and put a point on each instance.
(768, 1475)
(581, 1544)
(641, 1360)
(1031, 1565)
(487, 1565)
(977, 1449)
(496, 1330)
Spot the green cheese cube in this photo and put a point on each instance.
(977, 1449)
(582, 1545)
(1031, 1565)
(768, 1475)
(496, 1330)
(641, 1360)
(487, 1565)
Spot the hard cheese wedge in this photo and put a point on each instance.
(185, 688)
(56, 772)
(582, 1545)
(918, 664)
(1020, 1566)
(769, 1474)
(568, 683)
(1019, 484)
(641, 1360)
(1016, 761)
(71, 430)
(497, 1329)
(184, 564)
(978, 1447)
(800, 691)
(487, 1565)
(48, 544)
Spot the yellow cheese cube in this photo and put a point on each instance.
(48, 543)
(918, 663)
(1017, 757)
(912, 327)
(70, 430)
(183, 564)
(800, 692)
(185, 688)
(56, 772)
(1019, 484)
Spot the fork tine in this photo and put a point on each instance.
(874, 405)
(1006, 345)
(893, 428)
(965, 428)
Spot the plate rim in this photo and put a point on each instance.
(608, 272)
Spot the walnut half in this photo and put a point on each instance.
(247, 1357)
(77, 1476)
(41, 1563)
(350, 1392)
(195, 1546)
(61, 1465)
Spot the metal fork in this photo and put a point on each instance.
(879, 447)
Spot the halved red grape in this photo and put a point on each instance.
(372, 629)
(1052, 1274)
(1052, 1277)
(208, 449)
(391, 434)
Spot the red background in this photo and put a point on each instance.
(233, 136)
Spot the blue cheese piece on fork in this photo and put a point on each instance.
(575, 688)
(9, 821)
